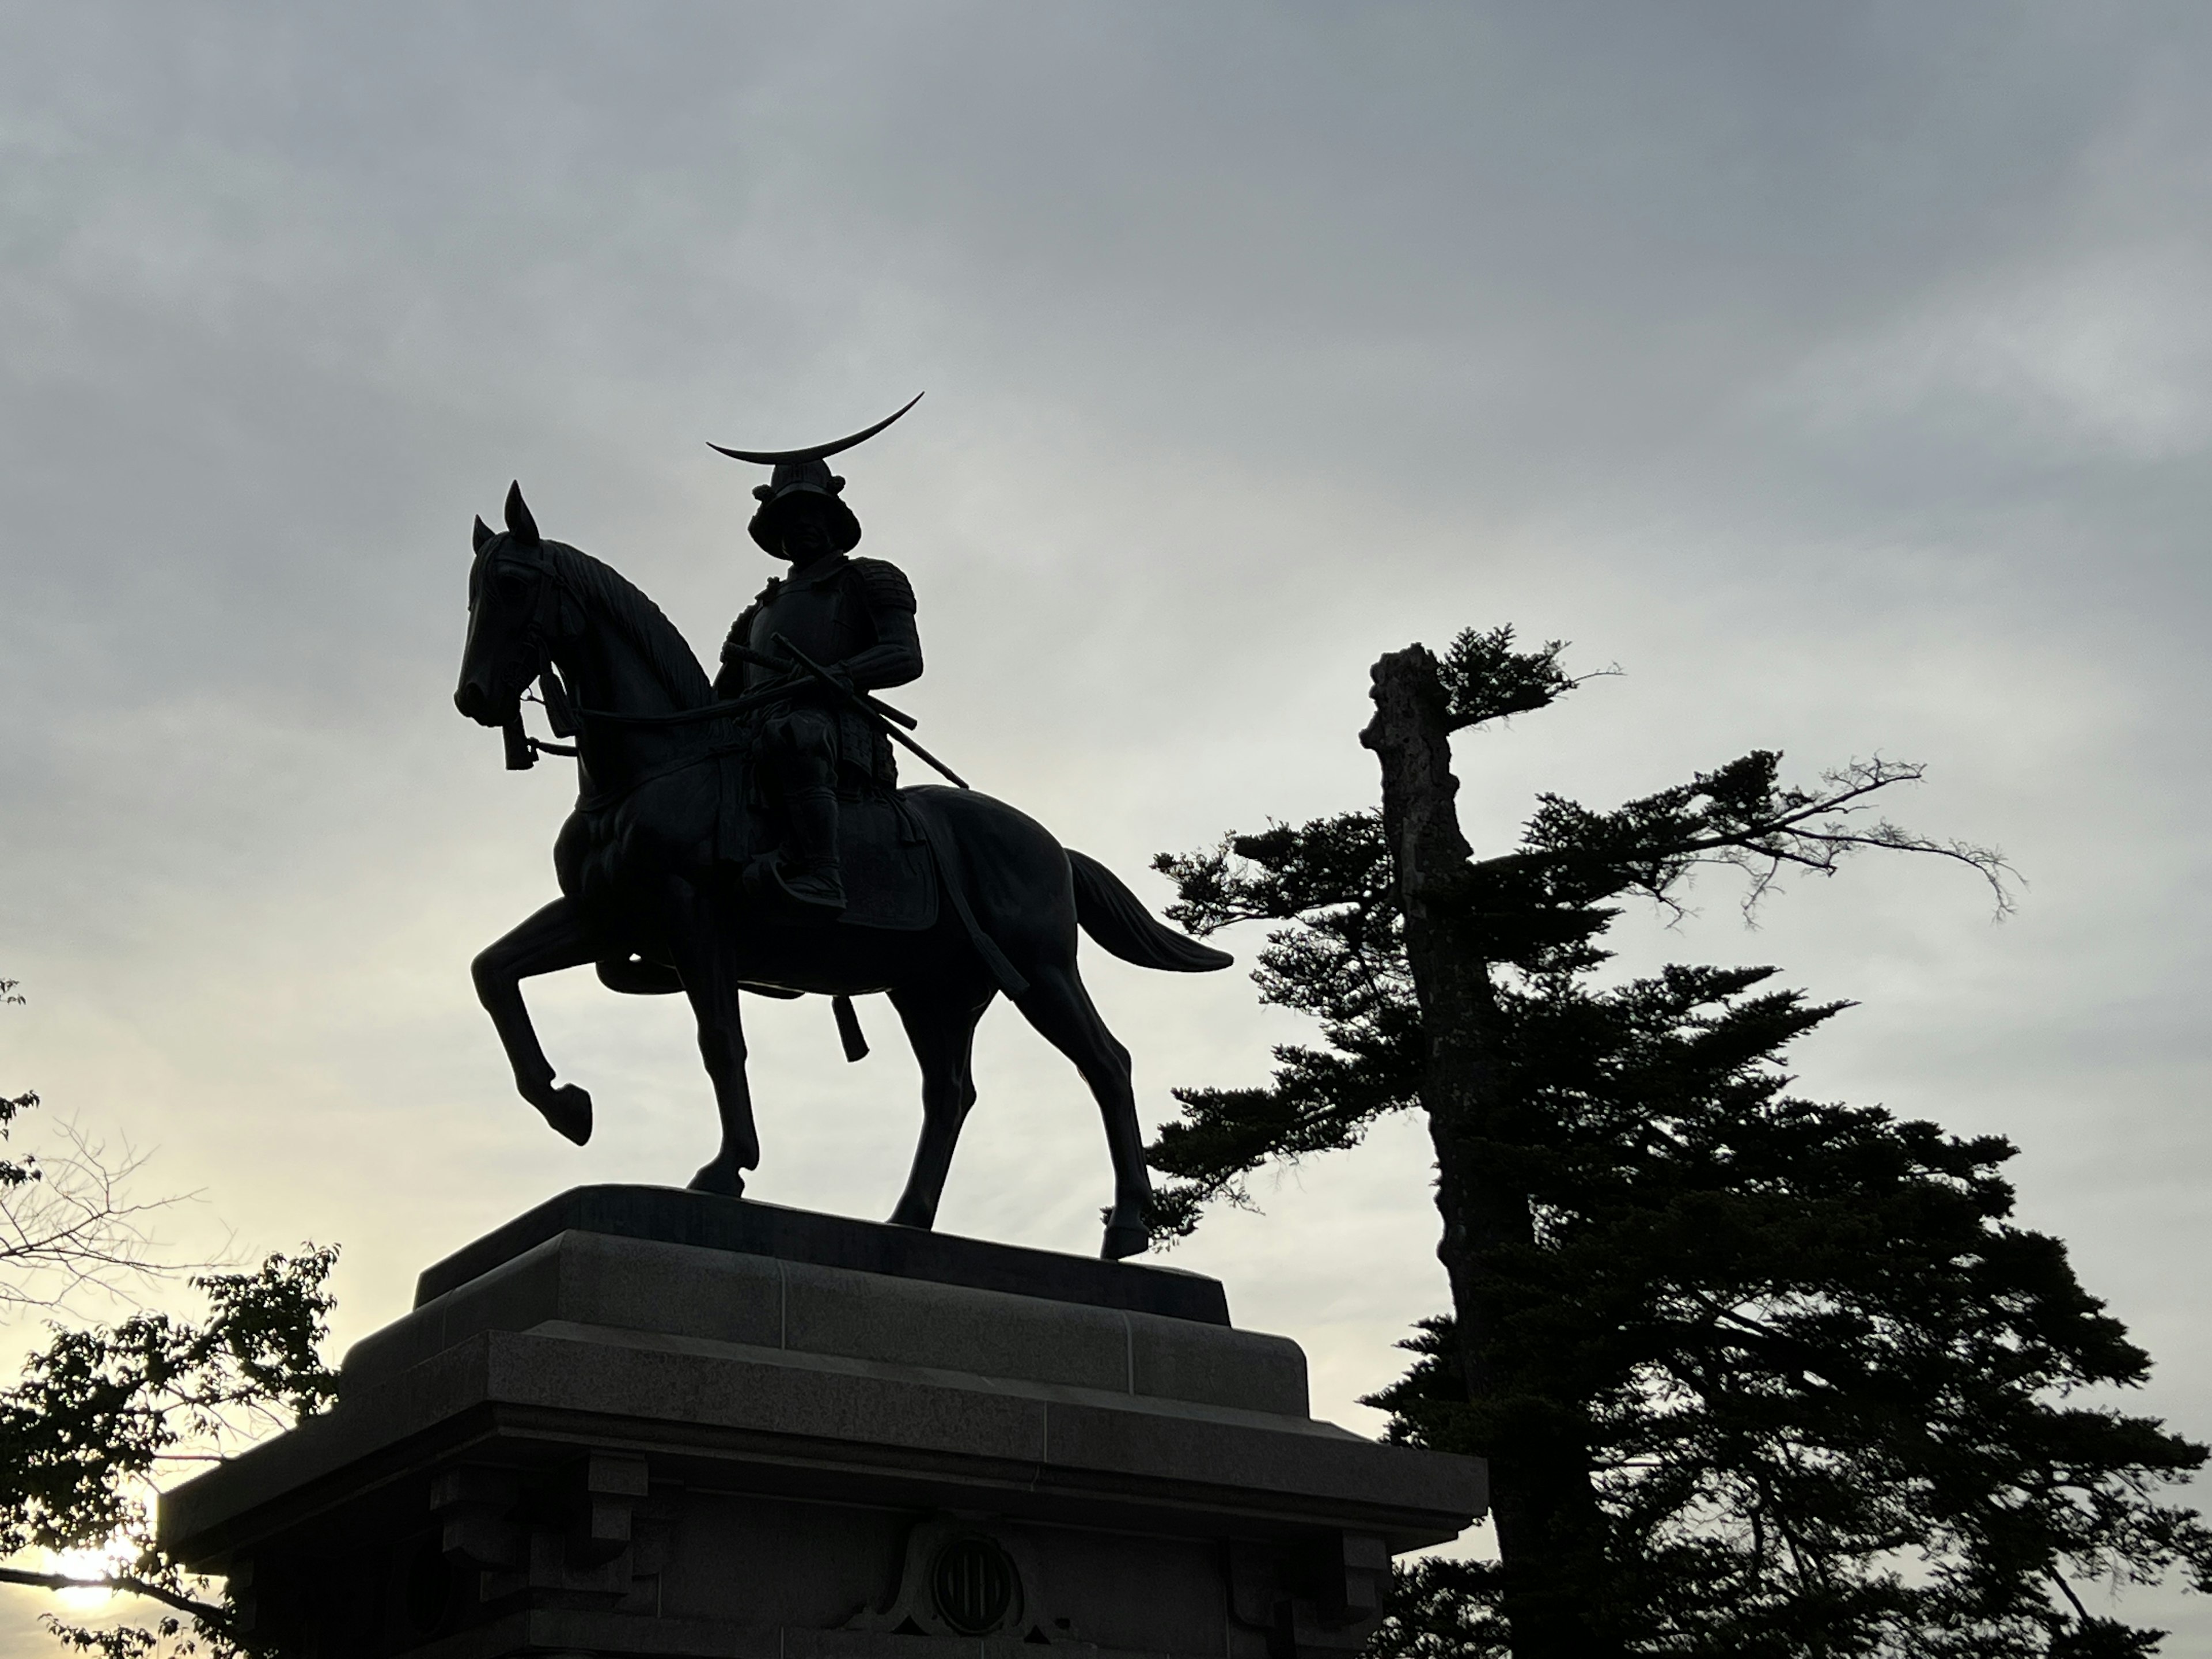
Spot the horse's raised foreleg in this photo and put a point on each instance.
(702, 957)
(552, 939)
(1060, 1009)
(940, 1023)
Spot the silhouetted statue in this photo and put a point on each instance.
(948, 897)
(853, 617)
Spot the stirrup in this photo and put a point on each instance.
(766, 881)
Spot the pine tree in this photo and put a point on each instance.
(1755, 1375)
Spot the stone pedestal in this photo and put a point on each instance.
(640, 1421)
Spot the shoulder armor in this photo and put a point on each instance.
(886, 585)
(741, 631)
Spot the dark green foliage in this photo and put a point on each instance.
(132, 1641)
(1441, 1609)
(1829, 1397)
(102, 1411)
(99, 1410)
(1482, 678)
(1741, 814)
(1344, 963)
(1821, 1376)
(14, 1172)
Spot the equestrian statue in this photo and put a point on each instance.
(749, 833)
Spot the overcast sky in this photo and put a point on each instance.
(1844, 374)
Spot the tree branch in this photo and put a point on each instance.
(123, 1583)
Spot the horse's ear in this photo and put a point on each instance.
(520, 524)
(483, 532)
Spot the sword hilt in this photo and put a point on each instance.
(873, 705)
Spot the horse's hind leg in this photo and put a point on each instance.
(1060, 1009)
(940, 1023)
(549, 941)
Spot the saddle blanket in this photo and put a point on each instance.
(891, 880)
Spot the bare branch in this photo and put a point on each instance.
(68, 1224)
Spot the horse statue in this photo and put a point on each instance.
(970, 896)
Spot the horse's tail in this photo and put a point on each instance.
(1117, 919)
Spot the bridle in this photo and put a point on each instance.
(534, 645)
(567, 717)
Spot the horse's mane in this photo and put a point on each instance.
(627, 607)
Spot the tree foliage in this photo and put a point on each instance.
(1756, 1376)
(102, 1411)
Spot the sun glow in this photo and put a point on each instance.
(87, 1564)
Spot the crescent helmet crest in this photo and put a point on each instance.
(805, 473)
(815, 451)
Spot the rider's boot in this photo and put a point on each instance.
(813, 877)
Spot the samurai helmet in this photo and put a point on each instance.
(803, 476)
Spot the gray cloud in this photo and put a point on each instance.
(1843, 374)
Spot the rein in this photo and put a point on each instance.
(713, 711)
(564, 716)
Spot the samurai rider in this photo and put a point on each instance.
(852, 616)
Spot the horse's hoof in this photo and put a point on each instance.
(715, 1178)
(569, 1111)
(1124, 1239)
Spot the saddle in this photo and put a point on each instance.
(889, 874)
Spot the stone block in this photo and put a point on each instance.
(609, 1443)
(614, 1282)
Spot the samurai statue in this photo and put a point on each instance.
(854, 617)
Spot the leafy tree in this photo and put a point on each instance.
(102, 1411)
(1755, 1375)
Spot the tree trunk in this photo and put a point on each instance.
(1542, 1499)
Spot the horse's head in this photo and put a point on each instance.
(514, 616)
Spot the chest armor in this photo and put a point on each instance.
(820, 617)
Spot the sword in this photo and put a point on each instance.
(760, 659)
(886, 717)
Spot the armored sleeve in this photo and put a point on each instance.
(896, 657)
(886, 585)
(731, 681)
